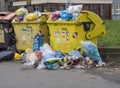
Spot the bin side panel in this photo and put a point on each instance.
(44, 30)
(82, 19)
(5, 38)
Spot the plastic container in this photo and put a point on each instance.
(66, 35)
(26, 31)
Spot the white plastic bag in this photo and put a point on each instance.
(41, 65)
(31, 58)
(75, 53)
(74, 9)
(46, 49)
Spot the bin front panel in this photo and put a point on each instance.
(25, 33)
(65, 36)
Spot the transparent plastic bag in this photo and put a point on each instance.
(75, 53)
(91, 50)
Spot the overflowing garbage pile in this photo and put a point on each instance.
(46, 58)
(42, 56)
(22, 14)
(70, 14)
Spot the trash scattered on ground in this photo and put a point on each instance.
(42, 56)
(91, 51)
(46, 58)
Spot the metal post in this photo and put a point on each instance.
(68, 3)
(115, 8)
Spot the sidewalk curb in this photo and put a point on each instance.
(109, 54)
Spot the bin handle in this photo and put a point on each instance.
(78, 24)
(99, 29)
(42, 23)
(99, 25)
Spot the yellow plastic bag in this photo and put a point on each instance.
(31, 17)
(18, 57)
(21, 11)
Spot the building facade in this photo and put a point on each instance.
(6, 5)
(102, 7)
(2, 5)
(116, 10)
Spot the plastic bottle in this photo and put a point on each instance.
(38, 41)
(24, 57)
(36, 44)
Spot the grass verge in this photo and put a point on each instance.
(112, 37)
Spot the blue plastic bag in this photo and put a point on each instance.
(91, 51)
(75, 53)
(65, 16)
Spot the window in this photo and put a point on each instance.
(117, 8)
(18, 0)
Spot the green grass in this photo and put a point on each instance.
(112, 37)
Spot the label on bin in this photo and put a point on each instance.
(57, 40)
(57, 33)
(75, 35)
(23, 38)
(2, 40)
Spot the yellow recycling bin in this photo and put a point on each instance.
(26, 30)
(66, 35)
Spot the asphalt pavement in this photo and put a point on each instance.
(14, 75)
